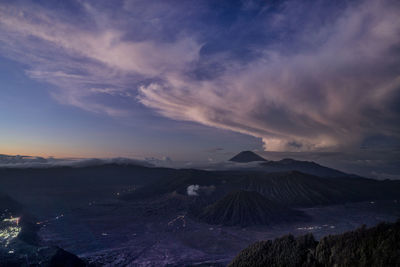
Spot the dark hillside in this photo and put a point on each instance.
(377, 246)
(289, 188)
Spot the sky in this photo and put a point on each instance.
(201, 80)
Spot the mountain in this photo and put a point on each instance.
(377, 246)
(308, 167)
(247, 156)
(89, 177)
(245, 208)
(8, 207)
(304, 190)
(288, 164)
(292, 188)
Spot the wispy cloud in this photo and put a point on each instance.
(302, 83)
(84, 62)
(334, 88)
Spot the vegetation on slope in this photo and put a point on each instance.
(377, 246)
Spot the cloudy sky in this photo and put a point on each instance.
(199, 79)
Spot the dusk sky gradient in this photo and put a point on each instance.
(201, 80)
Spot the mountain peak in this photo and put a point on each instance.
(247, 156)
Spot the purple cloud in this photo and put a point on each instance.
(326, 86)
(329, 94)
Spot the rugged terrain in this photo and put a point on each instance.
(121, 214)
(246, 208)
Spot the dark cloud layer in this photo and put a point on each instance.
(18, 161)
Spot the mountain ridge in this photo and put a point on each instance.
(288, 164)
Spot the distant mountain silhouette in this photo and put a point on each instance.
(308, 167)
(247, 156)
(288, 164)
(377, 246)
(245, 208)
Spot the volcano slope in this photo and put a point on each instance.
(288, 164)
(245, 208)
(294, 189)
(273, 200)
(308, 167)
(247, 156)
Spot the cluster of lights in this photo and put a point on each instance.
(9, 229)
(49, 220)
(126, 190)
(308, 228)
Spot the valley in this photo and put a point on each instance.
(127, 214)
